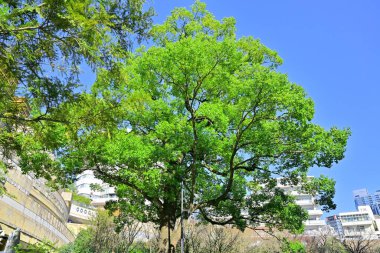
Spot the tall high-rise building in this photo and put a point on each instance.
(362, 198)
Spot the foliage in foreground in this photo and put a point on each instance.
(3, 171)
(41, 247)
(101, 237)
(44, 45)
(81, 199)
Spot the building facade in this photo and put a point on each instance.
(308, 202)
(99, 197)
(30, 205)
(80, 213)
(361, 223)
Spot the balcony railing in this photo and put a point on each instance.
(315, 223)
(305, 202)
(356, 223)
(315, 212)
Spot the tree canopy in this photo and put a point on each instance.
(43, 46)
(203, 107)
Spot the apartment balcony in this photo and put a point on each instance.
(316, 212)
(101, 201)
(305, 202)
(84, 191)
(297, 193)
(357, 223)
(314, 223)
(368, 235)
(111, 190)
(88, 180)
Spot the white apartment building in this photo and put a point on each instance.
(307, 202)
(357, 224)
(98, 197)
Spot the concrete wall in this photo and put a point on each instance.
(30, 205)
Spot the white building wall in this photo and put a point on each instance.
(308, 202)
(361, 223)
(99, 198)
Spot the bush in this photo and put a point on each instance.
(81, 199)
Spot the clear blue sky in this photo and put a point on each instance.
(332, 49)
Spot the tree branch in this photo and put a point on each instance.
(37, 119)
(122, 180)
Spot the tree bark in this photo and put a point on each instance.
(168, 232)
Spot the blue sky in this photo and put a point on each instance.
(332, 49)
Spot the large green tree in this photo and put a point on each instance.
(203, 107)
(43, 46)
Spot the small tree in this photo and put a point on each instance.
(103, 236)
(194, 234)
(220, 240)
(293, 247)
(359, 244)
(323, 242)
(40, 247)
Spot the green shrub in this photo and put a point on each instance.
(81, 199)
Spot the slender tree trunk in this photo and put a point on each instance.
(169, 241)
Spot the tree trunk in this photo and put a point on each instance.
(169, 234)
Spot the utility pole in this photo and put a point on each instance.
(182, 229)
